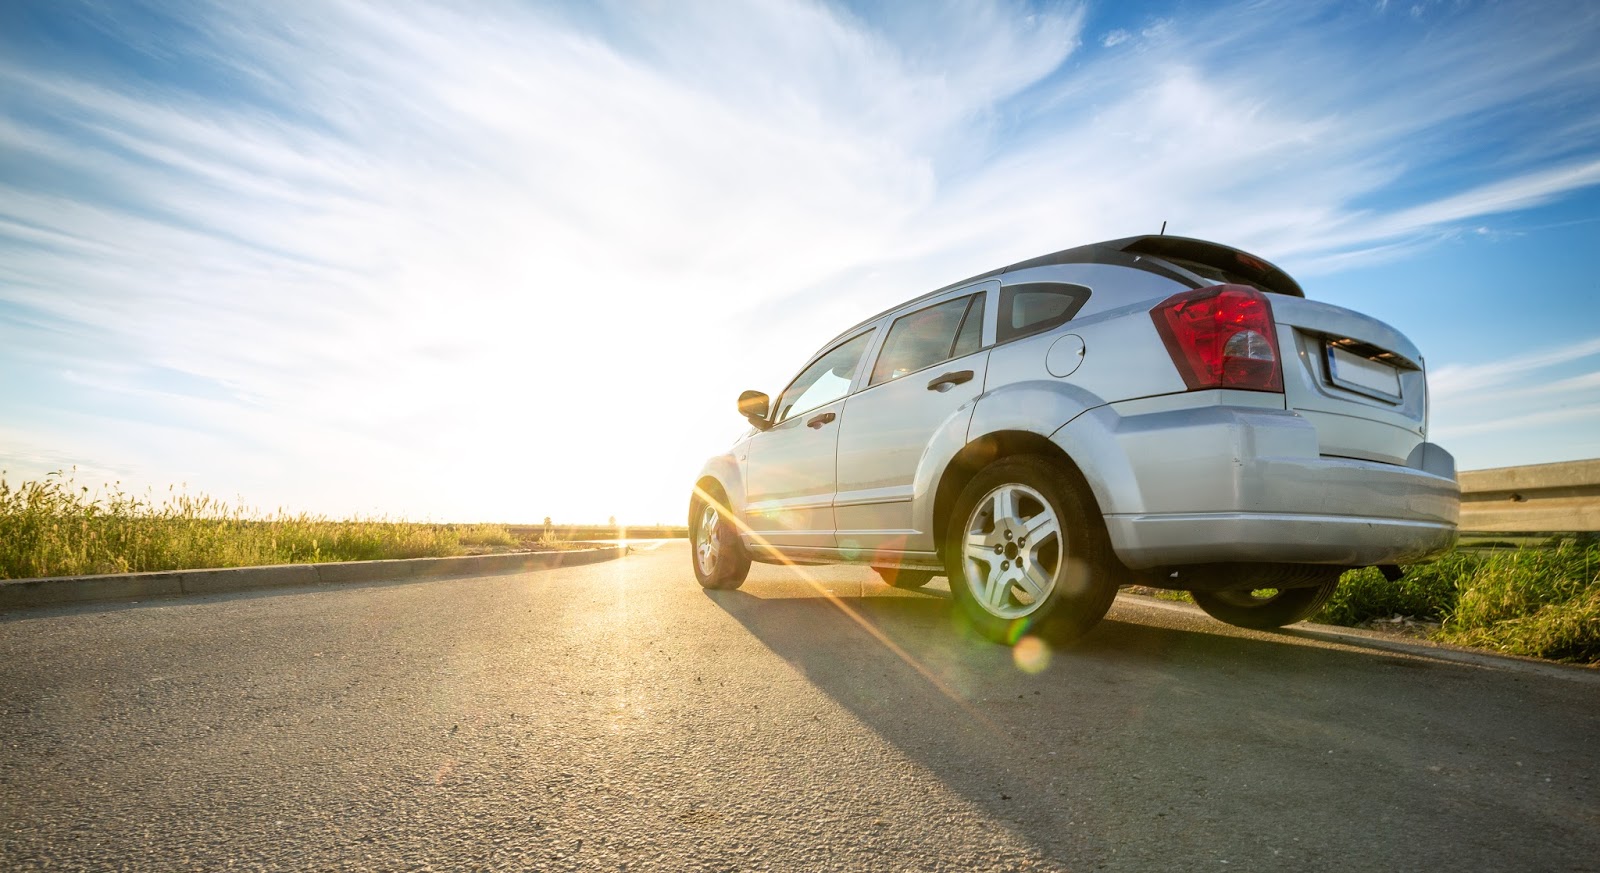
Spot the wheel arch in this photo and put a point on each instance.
(720, 477)
(987, 449)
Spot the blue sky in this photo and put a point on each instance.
(497, 261)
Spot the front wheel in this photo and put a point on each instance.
(720, 559)
(1026, 553)
(1265, 609)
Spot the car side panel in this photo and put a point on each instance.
(790, 479)
(1037, 406)
(945, 443)
(885, 433)
(1017, 407)
(1123, 358)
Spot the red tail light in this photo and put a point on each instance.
(1221, 337)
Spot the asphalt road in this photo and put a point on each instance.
(616, 717)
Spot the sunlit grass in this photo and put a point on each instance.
(551, 540)
(1543, 602)
(56, 527)
(1540, 602)
(485, 535)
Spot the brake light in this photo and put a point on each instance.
(1221, 337)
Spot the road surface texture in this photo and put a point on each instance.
(617, 717)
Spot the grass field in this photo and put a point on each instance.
(56, 527)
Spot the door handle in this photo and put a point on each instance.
(950, 380)
(817, 422)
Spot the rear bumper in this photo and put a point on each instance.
(1231, 483)
(1146, 541)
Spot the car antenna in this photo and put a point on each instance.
(1163, 229)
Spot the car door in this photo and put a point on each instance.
(925, 377)
(789, 469)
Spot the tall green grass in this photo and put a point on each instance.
(1542, 602)
(56, 527)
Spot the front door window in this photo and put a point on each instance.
(824, 381)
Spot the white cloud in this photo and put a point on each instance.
(1456, 379)
(1115, 38)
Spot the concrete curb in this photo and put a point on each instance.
(63, 590)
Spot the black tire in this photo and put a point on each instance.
(1284, 607)
(901, 577)
(715, 549)
(1069, 564)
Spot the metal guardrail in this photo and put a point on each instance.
(1540, 497)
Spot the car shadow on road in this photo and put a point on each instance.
(1148, 740)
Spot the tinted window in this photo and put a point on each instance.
(928, 336)
(1037, 306)
(824, 381)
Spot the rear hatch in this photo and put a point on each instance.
(1358, 380)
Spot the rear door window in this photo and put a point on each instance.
(923, 338)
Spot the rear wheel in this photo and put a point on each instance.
(1265, 608)
(900, 577)
(1026, 553)
(719, 556)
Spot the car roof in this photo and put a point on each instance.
(1130, 252)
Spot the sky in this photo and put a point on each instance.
(498, 261)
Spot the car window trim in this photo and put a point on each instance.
(974, 300)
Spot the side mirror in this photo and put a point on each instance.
(753, 406)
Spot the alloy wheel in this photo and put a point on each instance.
(1013, 551)
(708, 541)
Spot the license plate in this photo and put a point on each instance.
(1355, 373)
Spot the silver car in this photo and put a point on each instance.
(1159, 410)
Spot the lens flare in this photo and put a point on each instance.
(1031, 654)
(856, 617)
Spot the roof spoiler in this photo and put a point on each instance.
(1211, 254)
